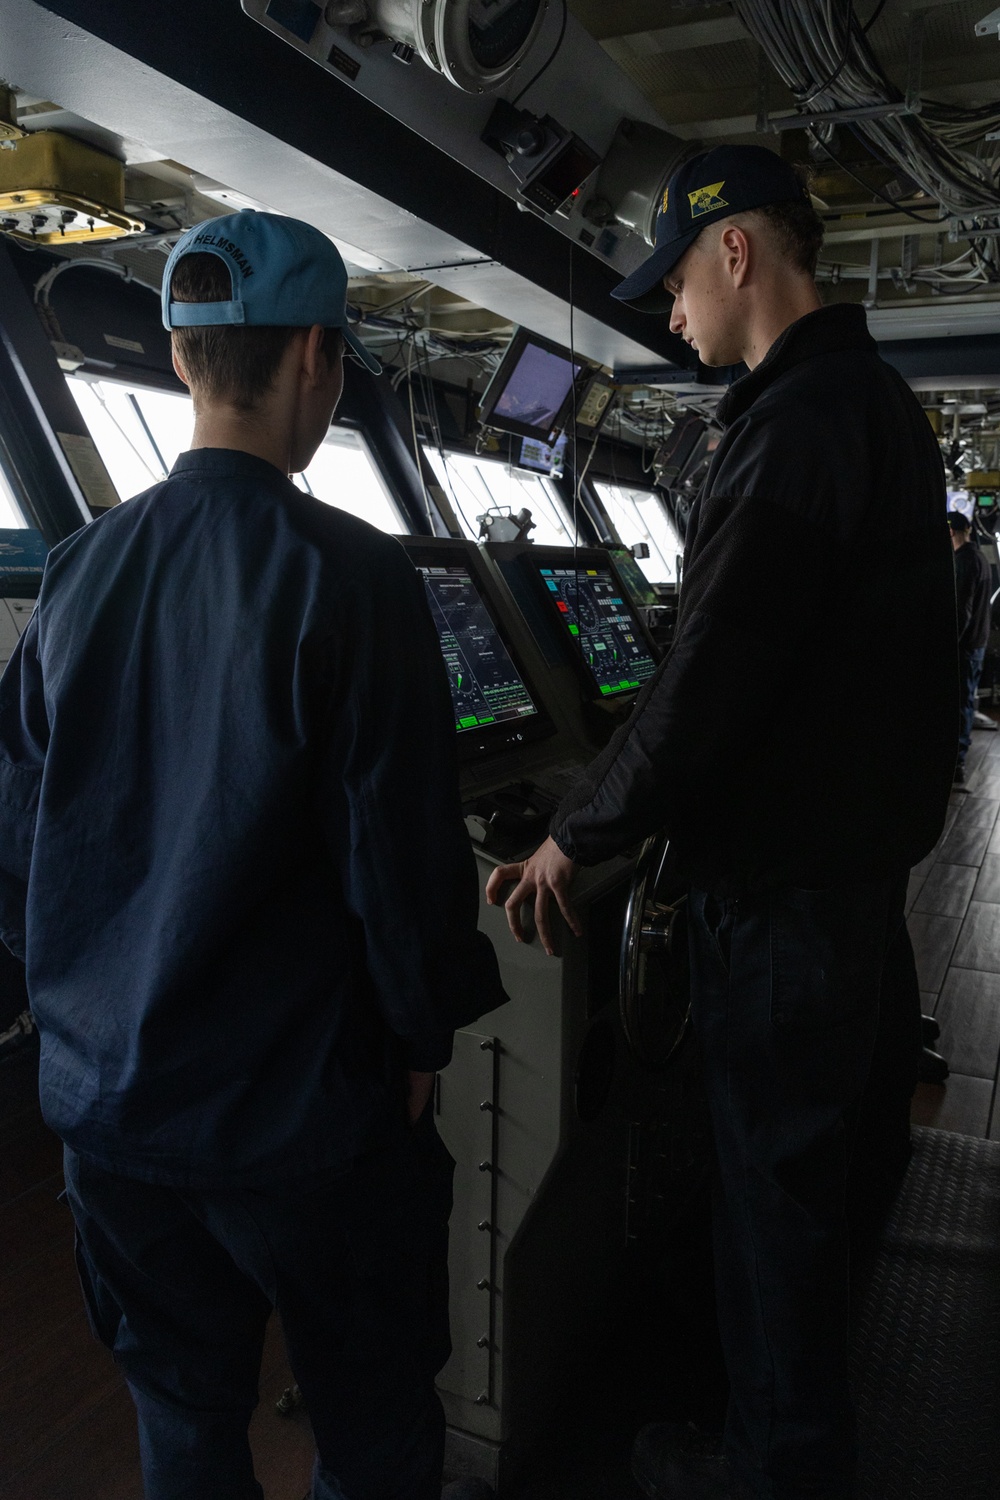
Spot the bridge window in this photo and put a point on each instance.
(474, 485)
(10, 514)
(139, 433)
(639, 515)
(342, 474)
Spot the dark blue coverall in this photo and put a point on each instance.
(233, 859)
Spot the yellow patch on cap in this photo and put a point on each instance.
(666, 199)
(706, 199)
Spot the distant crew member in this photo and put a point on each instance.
(796, 796)
(972, 589)
(225, 736)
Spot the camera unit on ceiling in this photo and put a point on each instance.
(477, 45)
(586, 154)
(548, 161)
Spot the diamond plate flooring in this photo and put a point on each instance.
(953, 907)
(927, 1343)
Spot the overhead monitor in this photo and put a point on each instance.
(495, 709)
(531, 393)
(611, 646)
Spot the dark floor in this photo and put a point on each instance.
(954, 921)
(66, 1423)
(67, 1430)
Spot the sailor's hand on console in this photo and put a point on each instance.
(548, 873)
(419, 1088)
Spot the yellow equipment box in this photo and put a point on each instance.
(56, 190)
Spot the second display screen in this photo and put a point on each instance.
(590, 604)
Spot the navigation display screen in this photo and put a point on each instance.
(486, 687)
(590, 604)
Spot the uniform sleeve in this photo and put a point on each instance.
(24, 736)
(409, 871)
(751, 603)
(966, 578)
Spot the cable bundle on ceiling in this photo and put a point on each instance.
(821, 51)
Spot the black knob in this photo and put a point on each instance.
(529, 140)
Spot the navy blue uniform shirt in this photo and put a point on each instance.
(973, 587)
(231, 846)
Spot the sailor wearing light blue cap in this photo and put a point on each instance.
(285, 274)
(234, 696)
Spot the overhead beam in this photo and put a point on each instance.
(682, 38)
(961, 362)
(878, 230)
(979, 91)
(961, 323)
(711, 129)
(913, 5)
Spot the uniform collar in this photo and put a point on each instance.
(228, 463)
(828, 330)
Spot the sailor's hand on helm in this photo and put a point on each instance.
(419, 1088)
(547, 874)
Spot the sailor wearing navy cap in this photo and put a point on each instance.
(797, 746)
(224, 731)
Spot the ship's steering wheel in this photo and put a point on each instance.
(654, 974)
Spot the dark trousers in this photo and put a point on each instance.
(180, 1285)
(883, 1144)
(970, 666)
(785, 1004)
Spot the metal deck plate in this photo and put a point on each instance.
(927, 1338)
(926, 1351)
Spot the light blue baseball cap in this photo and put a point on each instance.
(285, 274)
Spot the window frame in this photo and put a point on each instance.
(549, 485)
(631, 489)
(359, 438)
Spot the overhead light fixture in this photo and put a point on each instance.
(478, 45)
(549, 162)
(56, 190)
(633, 179)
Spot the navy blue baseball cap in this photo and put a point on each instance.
(285, 274)
(711, 186)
